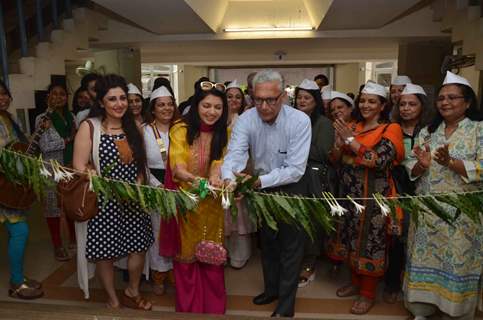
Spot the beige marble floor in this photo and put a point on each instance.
(318, 300)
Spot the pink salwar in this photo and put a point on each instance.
(200, 288)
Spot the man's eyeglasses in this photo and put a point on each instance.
(208, 85)
(270, 101)
(450, 98)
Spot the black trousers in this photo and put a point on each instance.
(312, 249)
(318, 177)
(282, 254)
(396, 261)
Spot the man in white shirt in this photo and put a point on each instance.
(278, 137)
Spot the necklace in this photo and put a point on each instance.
(112, 128)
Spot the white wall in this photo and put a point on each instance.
(187, 76)
(347, 77)
(293, 76)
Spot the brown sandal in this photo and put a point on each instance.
(24, 291)
(347, 291)
(136, 302)
(362, 305)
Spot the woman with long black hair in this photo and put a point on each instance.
(197, 146)
(112, 139)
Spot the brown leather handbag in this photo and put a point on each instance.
(75, 199)
(15, 196)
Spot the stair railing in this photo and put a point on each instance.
(56, 12)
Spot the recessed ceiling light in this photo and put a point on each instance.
(261, 29)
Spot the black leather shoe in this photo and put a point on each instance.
(264, 299)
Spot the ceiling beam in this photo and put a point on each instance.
(211, 11)
(418, 6)
(317, 9)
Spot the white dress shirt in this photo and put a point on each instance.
(279, 151)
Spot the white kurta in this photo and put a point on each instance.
(155, 161)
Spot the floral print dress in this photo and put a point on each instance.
(364, 235)
(445, 262)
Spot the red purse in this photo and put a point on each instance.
(211, 252)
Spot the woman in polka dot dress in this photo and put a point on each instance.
(119, 229)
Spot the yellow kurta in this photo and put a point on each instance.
(209, 213)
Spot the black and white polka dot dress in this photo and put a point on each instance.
(119, 228)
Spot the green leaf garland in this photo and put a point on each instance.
(307, 213)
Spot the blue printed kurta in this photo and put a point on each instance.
(445, 262)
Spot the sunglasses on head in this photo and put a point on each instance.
(208, 85)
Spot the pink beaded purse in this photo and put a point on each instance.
(209, 251)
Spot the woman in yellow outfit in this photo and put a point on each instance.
(196, 150)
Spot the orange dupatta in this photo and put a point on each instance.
(370, 138)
